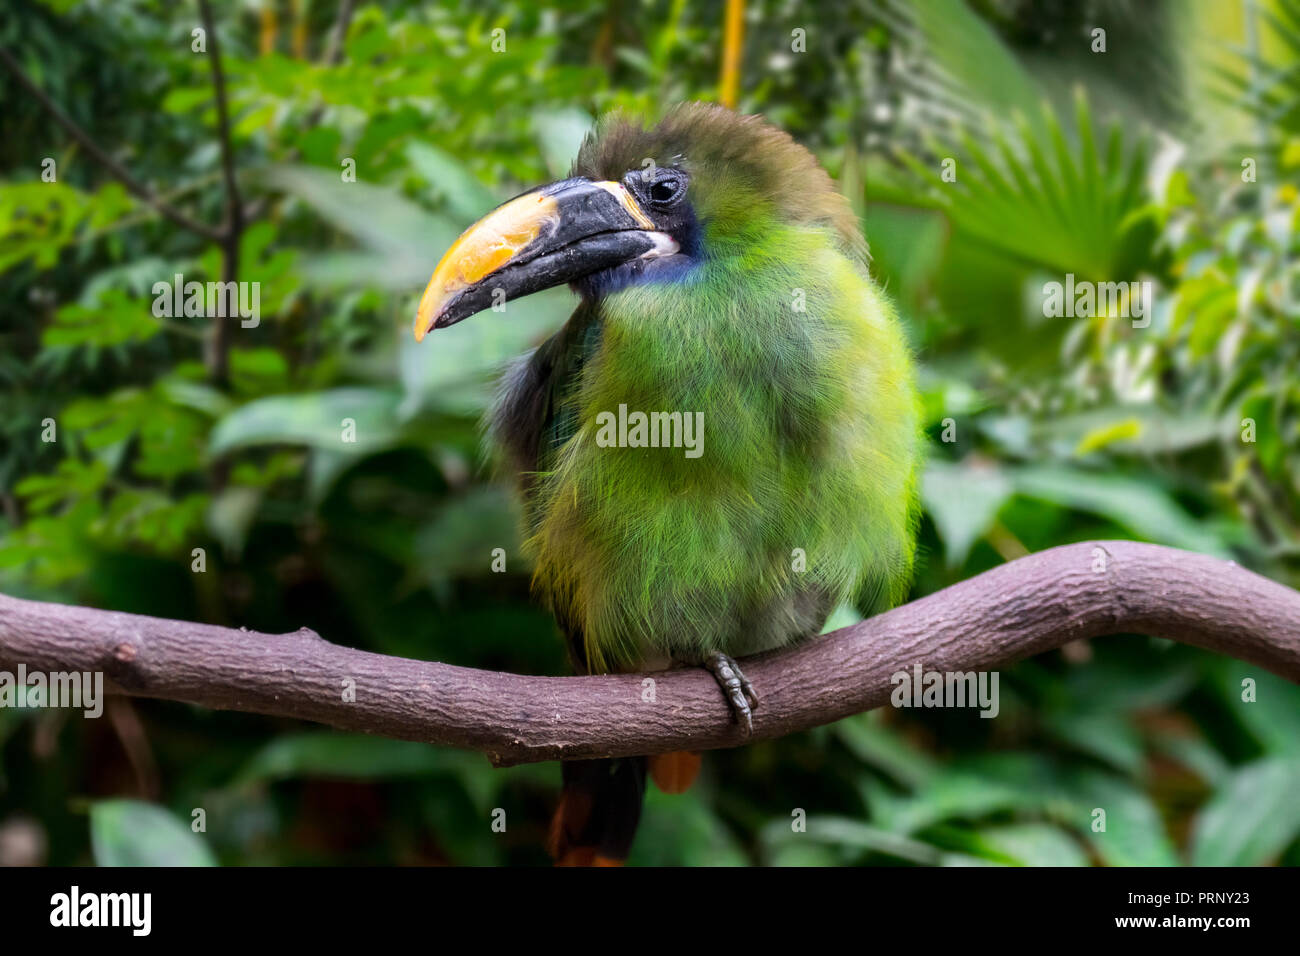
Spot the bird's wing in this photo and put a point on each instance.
(533, 417)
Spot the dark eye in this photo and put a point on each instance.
(666, 189)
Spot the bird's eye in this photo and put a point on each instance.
(666, 190)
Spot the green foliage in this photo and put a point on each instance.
(1227, 833)
(1265, 81)
(1080, 210)
(1044, 430)
(131, 833)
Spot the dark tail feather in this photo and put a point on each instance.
(599, 810)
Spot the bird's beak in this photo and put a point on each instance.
(552, 235)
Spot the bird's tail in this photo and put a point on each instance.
(600, 804)
(600, 807)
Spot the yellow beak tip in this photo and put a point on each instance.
(426, 317)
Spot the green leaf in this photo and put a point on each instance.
(844, 615)
(964, 500)
(457, 372)
(1116, 684)
(877, 747)
(361, 757)
(806, 854)
(981, 66)
(348, 757)
(408, 240)
(133, 833)
(681, 830)
(1273, 717)
(1106, 735)
(1193, 752)
(1127, 430)
(320, 146)
(1030, 844)
(1137, 506)
(972, 790)
(113, 319)
(1135, 833)
(186, 99)
(317, 419)
(1063, 209)
(231, 514)
(466, 197)
(560, 133)
(460, 541)
(1253, 816)
(258, 370)
(71, 479)
(853, 835)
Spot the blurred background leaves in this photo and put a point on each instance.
(1169, 157)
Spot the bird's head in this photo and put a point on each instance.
(642, 205)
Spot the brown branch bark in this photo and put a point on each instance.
(1012, 612)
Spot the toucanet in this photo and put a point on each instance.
(722, 444)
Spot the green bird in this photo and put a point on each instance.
(722, 443)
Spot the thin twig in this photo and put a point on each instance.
(233, 212)
(334, 48)
(218, 357)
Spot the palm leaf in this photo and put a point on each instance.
(1266, 90)
(1045, 196)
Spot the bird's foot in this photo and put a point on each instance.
(736, 688)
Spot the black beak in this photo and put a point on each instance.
(552, 235)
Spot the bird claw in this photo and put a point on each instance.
(736, 688)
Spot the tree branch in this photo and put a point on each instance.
(338, 34)
(137, 188)
(218, 357)
(1012, 612)
(234, 212)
